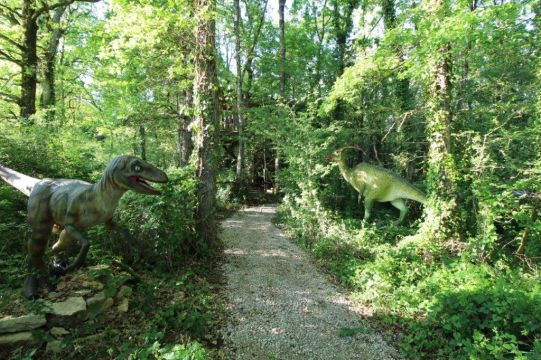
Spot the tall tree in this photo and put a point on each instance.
(442, 170)
(240, 115)
(184, 134)
(48, 94)
(281, 15)
(343, 24)
(28, 17)
(205, 115)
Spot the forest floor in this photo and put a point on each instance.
(280, 305)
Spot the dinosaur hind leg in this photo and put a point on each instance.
(400, 205)
(37, 269)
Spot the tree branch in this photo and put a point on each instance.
(256, 36)
(4, 55)
(11, 13)
(10, 97)
(12, 42)
(45, 8)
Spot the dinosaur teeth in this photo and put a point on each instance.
(144, 183)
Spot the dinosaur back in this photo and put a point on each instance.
(392, 186)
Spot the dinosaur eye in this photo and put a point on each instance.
(137, 168)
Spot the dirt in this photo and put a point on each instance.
(280, 305)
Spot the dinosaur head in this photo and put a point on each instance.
(336, 155)
(132, 173)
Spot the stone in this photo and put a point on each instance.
(96, 285)
(21, 323)
(124, 305)
(98, 303)
(68, 313)
(53, 295)
(61, 285)
(20, 338)
(54, 346)
(84, 292)
(58, 331)
(99, 267)
(71, 306)
(124, 291)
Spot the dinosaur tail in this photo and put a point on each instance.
(19, 181)
(416, 194)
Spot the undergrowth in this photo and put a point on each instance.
(447, 305)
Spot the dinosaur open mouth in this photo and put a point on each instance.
(144, 184)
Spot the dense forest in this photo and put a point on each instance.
(241, 102)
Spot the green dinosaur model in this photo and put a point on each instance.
(377, 184)
(75, 205)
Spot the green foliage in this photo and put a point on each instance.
(448, 306)
(163, 224)
(191, 351)
(190, 313)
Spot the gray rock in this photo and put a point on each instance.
(71, 306)
(96, 285)
(21, 323)
(59, 331)
(124, 305)
(98, 267)
(83, 292)
(53, 295)
(123, 292)
(21, 338)
(68, 313)
(54, 346)
(98, 303)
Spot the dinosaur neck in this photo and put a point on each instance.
(107, 190)
(344, 170)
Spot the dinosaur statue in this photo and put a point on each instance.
(377, 184)
(72, 206)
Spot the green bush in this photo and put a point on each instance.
(476, 311)
(448, 306)
(164, 224)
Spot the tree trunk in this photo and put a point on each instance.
(281, 6)
(184, 134)
(281, 14)
(48, 95)
(442, 171)
(403, 85)
(205, 116)
(29, 60)
(143, 142)
(240, 116)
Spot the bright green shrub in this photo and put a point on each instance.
(163, 224)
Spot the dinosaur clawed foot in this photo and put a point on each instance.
(60, 268)
(32, 285)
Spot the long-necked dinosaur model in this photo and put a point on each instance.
(377, 184)
(75, 205)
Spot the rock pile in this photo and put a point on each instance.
(75, 299)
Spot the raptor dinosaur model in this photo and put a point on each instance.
(75, 205)
(377, 184)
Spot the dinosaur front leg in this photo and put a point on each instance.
(60, 248)
(81, 257)
(361, 192)
(368, 202)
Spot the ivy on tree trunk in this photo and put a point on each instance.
(205, 116)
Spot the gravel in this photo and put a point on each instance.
(281, 306)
